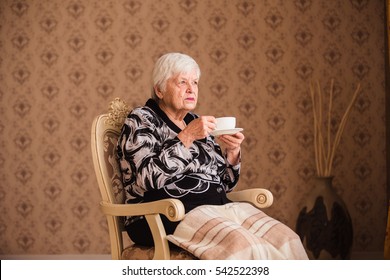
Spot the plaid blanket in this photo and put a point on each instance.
(236, 231)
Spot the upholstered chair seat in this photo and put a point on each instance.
(136, 252)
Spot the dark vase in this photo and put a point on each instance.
(324, 224)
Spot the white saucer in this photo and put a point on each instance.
(226, 131)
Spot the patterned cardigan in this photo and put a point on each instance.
(152, 159)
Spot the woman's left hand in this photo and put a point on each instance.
(232, 144)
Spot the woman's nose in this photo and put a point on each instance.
(190, 87)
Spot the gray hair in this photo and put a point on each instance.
(169, 65)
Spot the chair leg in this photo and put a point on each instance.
(161, 246)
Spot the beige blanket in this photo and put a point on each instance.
(236, 231)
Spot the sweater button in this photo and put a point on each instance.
(219, 189)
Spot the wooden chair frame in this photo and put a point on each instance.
(112, 204)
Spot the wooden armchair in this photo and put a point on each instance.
(104, 135)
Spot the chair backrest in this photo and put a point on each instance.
(104, 136)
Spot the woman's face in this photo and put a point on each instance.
(181, 93)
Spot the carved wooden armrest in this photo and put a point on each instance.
(261, 198)
(173, 209)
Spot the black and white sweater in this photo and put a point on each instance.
(155, 164)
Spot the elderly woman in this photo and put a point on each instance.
(166, 151)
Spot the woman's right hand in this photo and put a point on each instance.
(197, 129)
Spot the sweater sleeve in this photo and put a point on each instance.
(231, 174)
(148, 154)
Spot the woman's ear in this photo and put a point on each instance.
(158, 92)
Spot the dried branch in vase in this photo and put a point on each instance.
(324, 146)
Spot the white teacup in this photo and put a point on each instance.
(225, 123)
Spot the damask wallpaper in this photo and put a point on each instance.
(62, 62)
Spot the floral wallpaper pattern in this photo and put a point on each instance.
(62, 62)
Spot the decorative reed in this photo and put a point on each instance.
(325, 148)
